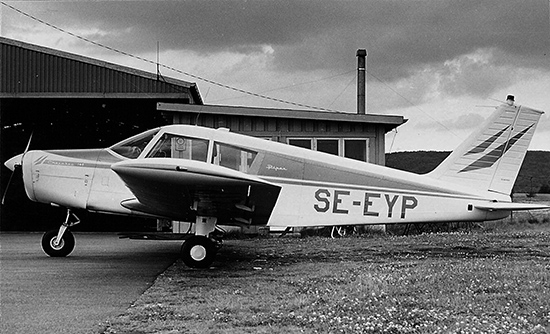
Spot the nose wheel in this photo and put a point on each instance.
(198, 251)
(55, 247)
(60, 243)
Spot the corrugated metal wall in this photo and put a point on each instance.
(28, 71)
(262, 126)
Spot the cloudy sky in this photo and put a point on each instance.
(441, 64)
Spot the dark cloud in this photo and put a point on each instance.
(402, 37)
(417, 34)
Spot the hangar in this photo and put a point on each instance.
(73, 101)
(50, 89)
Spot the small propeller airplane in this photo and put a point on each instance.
(215, 177)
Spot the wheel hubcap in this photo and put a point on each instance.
(198, 253)
(59, 246)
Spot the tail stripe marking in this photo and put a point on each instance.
(490, 158)
(483, 146)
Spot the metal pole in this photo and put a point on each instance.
(361, 82)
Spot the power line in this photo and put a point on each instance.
(162, 65)
(293, 85)
(345, 88)
(411, 103)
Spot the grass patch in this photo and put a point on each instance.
(450, 283)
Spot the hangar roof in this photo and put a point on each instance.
(32, 71)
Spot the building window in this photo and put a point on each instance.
(300, 142)
(350, 148)
(355, 149)
(328, 146)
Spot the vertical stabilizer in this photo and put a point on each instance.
(490, 159)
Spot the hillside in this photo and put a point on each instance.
(534, 173)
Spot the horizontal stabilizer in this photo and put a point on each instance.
(499, 206)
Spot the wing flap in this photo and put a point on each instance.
(181, 189)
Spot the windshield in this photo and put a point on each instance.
(131, 148)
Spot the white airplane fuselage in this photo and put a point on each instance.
(317, 189)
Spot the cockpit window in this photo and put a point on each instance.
(131, 148)
(180, 147)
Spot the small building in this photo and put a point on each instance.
(357, 136)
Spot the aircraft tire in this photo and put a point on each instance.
(198, 252)
(63, 249)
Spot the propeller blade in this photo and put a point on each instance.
(7, 187)
(27, 148)
(16, 167)
(17, 170)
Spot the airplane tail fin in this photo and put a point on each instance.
(490, 159)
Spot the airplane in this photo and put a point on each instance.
(212, 177)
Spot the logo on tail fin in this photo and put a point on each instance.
(490, 158)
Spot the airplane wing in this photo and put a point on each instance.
(179, 189)
(499, 206)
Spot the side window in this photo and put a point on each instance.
(180, 147)
(233, 157)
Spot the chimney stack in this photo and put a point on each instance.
(361, 81)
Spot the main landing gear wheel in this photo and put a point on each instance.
(198, 252)
(58, 249)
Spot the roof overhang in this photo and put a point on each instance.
(84, 95)
(389, 122)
